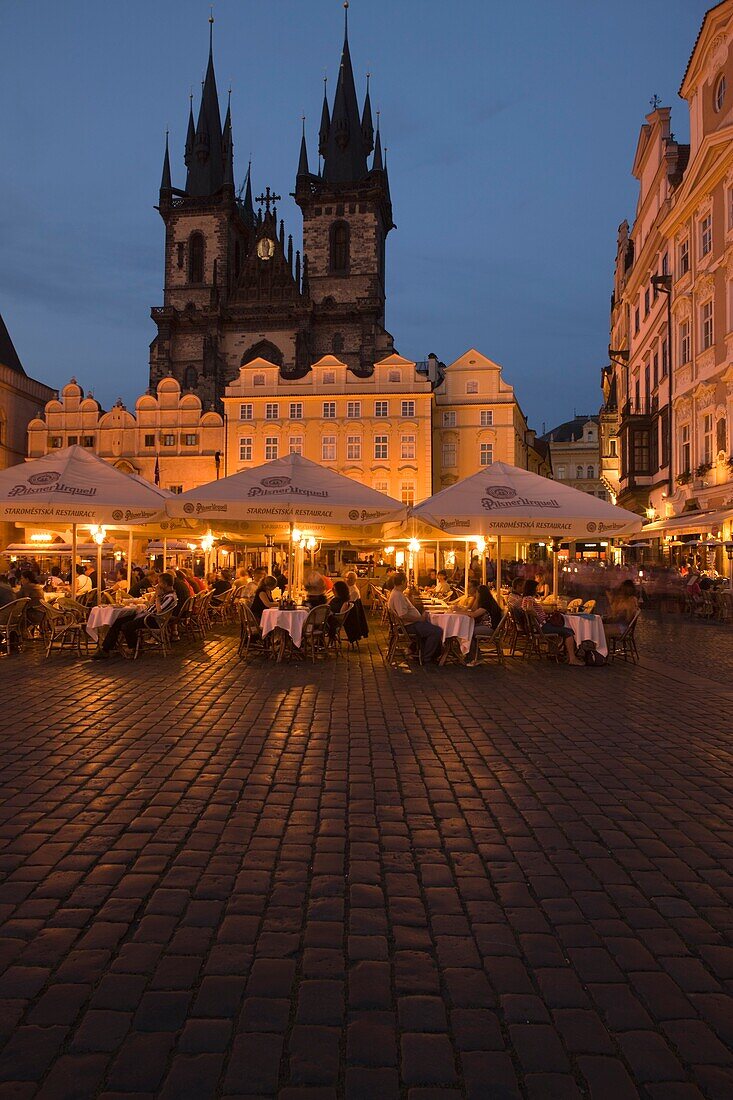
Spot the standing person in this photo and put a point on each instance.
(428, 635)
(131, 623)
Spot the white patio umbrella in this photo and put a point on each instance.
(504, 500)
(74, 486)
(275, 497)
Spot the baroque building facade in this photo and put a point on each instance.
(668, 392)
(576, 457)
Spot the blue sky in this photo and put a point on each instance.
(511, 130)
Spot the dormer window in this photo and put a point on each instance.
(394, 376)
(258, 380)
(472, 386)
(329, 377)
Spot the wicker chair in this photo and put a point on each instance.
(401, 643)
(154, 635)
(493, 641)
(624, 645)
(222, 610)
(64, 629)
(589, 607)
(336, 624)
(250, 631)
(12, 624)
(315, 631)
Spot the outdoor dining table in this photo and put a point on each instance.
(455, 627)
(588, 628)
(291, 621)
(106, 614)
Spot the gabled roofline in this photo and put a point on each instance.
(703, 27)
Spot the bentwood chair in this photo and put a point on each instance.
(12, 624)
(493, 641)
(315, 631)
(154, 635)
(250, 631)
(64, 629)
(336, 625)
(624, 645)
(400, 643)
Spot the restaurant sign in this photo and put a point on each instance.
(503, 496)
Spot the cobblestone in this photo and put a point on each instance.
(340, 880)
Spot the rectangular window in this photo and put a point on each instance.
(407, 446)
(246, 412)
(684, 342)
(381, 485)
(329, 377)
(646, 301)
(353, 448)
(190, 439)
(258, 380)
(353, 410)
(641, 451)
(408, 408)
(472, 386)
(407, 492)
(177, 489)
(245, 448)
(449, 455)
(381, 449)
(707, 437)
(664, 433)
(380, 408)
(57, 442)
(486, 454)
(272, 410)
(88, 440)
(487, 418)
(149, 440)
(72, 440)
(328, 448)
(706, 324)
(706, 234)
(561, 473)
(449, 419)
(684, 257)
(296, 410)
(613, 447)
(665, 357)
(295, 444)
(685, 449)
(665, 264)
(655, 381)
(168, 440)
(637, 321)
(329, 410)
(271, 447)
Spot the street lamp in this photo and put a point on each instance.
(663, 283)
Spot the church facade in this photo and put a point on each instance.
(236, 290)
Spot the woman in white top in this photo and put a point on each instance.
(354, 593)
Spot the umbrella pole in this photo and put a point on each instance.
(498, 567)
(483, 566)
(437, 555)
(129, 559)
(165, 553)
(465, 569)
(73, 561)
(556, 571)
(99, 572)
(290, 563)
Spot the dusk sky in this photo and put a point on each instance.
(511, 130)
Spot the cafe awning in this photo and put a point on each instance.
(691, 523)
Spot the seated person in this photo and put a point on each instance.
(83, 581)
(241, 580)
(258, 575)
(430, 580)
(31, 590)
(413, 595)
(354, 591)
(442, 589)
(428, 635)
(358, 619)
(220, 584)
(55, 580)
(280, 577)
(532, 607)
(543, 588)
(133, 621)
(623, 605)
(514, 599)
(389, 579)
(197, 583)
(315, 590)
(119, 584)
(263, 596)
(484, 611)
(6, 592)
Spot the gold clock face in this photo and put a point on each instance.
(265, 248)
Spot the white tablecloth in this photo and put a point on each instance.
(588, 627)
(454, 626)
(104, 615)
(291, 621)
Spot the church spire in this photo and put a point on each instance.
(303, 169)
(325, 121)
(377, 163)
(367, 128)
(345, 153)
(228, 146)
(206, 170)
(191, 134)
(247, 204)
(165, 182)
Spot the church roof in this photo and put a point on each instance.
(345, 150)
(8, 355)
(206, 161)
(569, 431)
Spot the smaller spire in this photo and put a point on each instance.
(303, 169)
(165, 183)
(346, 20)
(191, 134)
(377, 163)
(367, 128)
(228, 147)
(249, 209)
(304, 285)
(282, 234)
(325, 121)
(211, 31)
(290, 252)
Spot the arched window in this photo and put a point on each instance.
(337, 344)
(591, 472)
(578, 471)
(340, 246)
(190, 378)
(196, 258)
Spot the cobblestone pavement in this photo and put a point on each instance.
(344, 881)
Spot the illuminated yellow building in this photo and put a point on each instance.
(375, 429)
(477, 420)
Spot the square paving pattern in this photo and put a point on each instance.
(340, 880)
